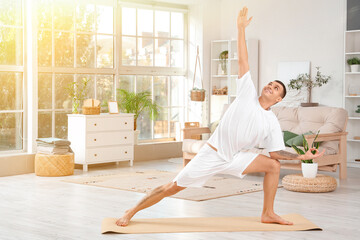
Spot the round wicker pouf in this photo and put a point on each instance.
(54, 165)
(297, 183)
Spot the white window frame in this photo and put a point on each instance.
(77, 70)
(154, 71)
(19, 69)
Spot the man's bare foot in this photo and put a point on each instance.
(125, 219)
(273, 218)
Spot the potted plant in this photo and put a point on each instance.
(358, 110)
(354, 64)
(130, 102)
(77, 91)
(308, 167)
(197, 94)
(304, 80)
(223, 61)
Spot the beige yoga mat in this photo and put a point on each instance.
(213, 224)
(145, 181)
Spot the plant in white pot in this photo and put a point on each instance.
(354, 64)
(308, 167)
(130, 102)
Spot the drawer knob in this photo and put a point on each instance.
(95, 139)
(95, 154)
(125, 151)
(125, 137)
(125, 122)
(95, 124)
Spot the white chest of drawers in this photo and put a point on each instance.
(101, 138)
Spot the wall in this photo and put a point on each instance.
(288, 30)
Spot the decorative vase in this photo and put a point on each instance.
(354, 68)
(75, 106)
(309, 170)
(136, 136)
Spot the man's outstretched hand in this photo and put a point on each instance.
(309, 155)
(242, 20)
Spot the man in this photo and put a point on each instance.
(248, 122)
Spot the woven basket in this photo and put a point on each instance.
(91, 110)
(54, 165)
(197, 95)
(297, 183)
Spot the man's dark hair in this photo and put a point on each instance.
(284, 91)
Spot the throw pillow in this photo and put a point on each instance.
(298, 140)
(287, 136)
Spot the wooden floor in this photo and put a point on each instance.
(34, 207)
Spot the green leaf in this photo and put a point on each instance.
(298, 150)
(305, 144)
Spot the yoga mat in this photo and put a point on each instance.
(213, 224)
(145, 181)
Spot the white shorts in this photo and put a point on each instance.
(207, 163)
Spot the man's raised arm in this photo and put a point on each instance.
(242, 23)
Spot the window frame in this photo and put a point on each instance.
(154, 71)
(19, 69)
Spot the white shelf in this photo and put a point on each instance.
(353, 96)
(352, 53)
(353, 140)
(228, 80)
(350, 73)
(355, 118)
(220, 76)
(353, 31)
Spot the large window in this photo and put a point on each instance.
(152, 49)
(111, 43)
(11, 76)
(75, 41)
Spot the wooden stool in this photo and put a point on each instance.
(297, 183)
(54, 165)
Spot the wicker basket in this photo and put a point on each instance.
(54, 165)
(91, 110)
(297, 183)
(197, 95)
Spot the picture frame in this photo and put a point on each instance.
(113, 107)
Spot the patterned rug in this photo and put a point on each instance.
(145, 181)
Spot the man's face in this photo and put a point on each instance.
(273, 92)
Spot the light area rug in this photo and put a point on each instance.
(213, 224)
(145, 181)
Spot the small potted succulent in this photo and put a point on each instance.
(354, 64)
(308, 167)
(357, 111)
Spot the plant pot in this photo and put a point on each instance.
(309, 170)
(198, 96)
(354, 68)
(136, 136)
(309, 104)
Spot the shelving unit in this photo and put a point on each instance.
(228, 78)
(351, 79)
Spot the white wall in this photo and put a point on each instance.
(204, 26)
(288, 30)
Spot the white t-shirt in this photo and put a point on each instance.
(246, 124)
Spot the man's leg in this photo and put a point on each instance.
(271, 167)
(153, 197)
